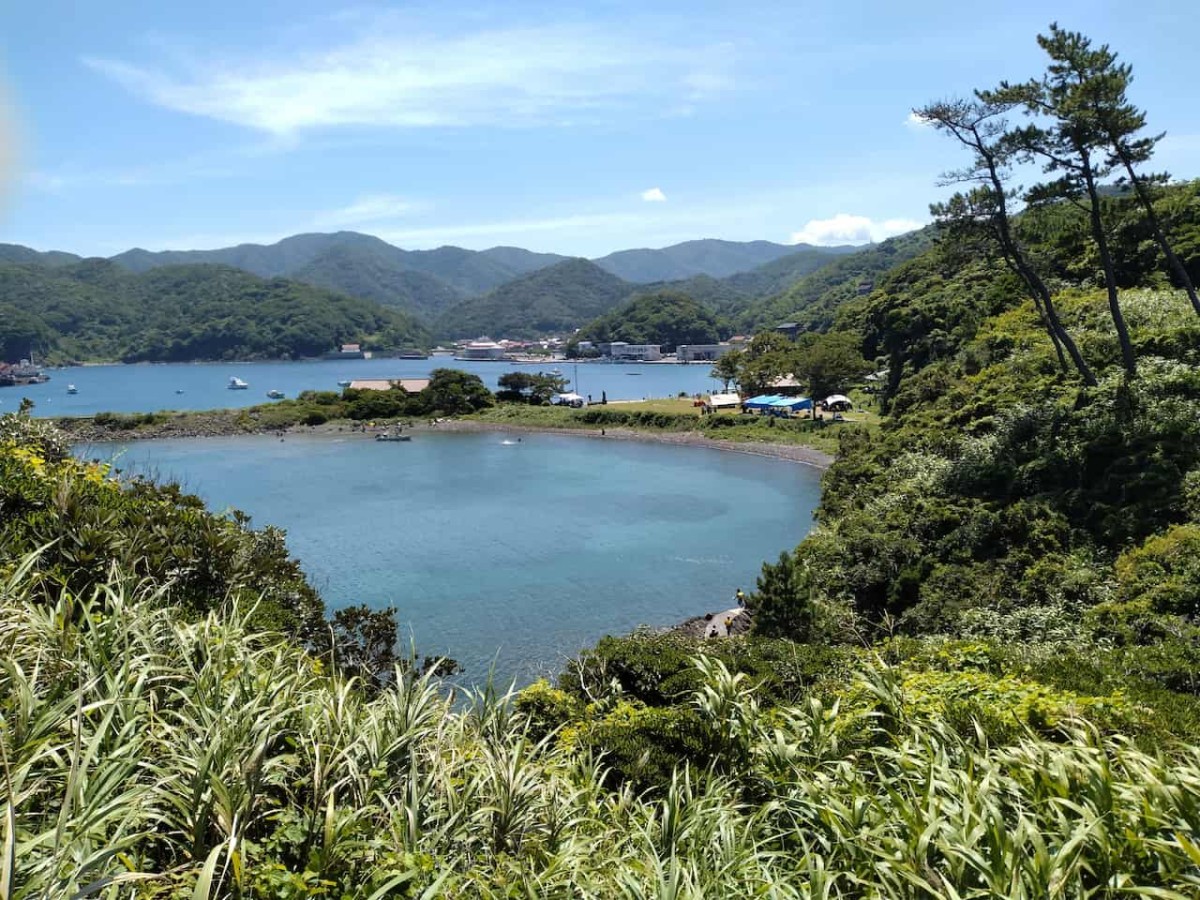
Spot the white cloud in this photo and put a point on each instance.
(393, 76)
(371, 208)
(848, 229)
(654, 195)
(915, 121)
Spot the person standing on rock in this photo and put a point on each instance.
(728, 622)
(740, 597)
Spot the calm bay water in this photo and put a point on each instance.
(149, 388)
(499, 552)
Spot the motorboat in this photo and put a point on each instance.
(344, 383)
(393, 436)
(71, 389)
(236, 384)
(275, 395)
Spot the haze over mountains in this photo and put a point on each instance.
(452, 292)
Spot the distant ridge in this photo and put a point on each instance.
(557, 299)
(461, 293)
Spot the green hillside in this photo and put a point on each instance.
(549, 301)
(15, 253)
(703, 257)
(779, 274)
(360, 272)
(96, 310)
(667, 318)
(813, 299)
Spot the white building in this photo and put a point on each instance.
(701, 352)
(484, 348)
(643, 352)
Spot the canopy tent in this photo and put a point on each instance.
(837, 400)
(720, 401)
(792, 404)
(763, 401)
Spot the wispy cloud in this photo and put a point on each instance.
(913, 120)
(370, 209)
(845, 228)
(394, 76)
(654, 195)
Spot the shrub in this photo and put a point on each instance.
(1164, 572)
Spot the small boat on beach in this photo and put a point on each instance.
(275, 395)
(236, 384)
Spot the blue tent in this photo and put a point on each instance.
(763, 401)
(792, 404)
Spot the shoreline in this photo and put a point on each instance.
(196, 426)
(694, 627)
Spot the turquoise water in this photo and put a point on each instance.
(149, 388)
(505, 553)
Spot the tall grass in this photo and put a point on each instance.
(143, 755)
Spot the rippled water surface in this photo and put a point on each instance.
(191, 386)
(504, 552)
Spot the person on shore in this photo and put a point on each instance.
(728, 622)
(740, 597)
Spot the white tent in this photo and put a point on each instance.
(723, 401)
(568, 400)
(837, 400)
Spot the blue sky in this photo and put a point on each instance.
(578, 128)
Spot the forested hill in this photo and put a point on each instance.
(360, 272)
(97, 310)
(812, 298)
(548, 301)
(703, 257)
(15, 253)
(666, 318)
(1007, 498)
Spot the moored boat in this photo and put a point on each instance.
(71, 389)
(236, 384)
(275, 395)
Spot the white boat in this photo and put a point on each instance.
(236, 384)
(345, 382)
(71, 389)
(275, 395)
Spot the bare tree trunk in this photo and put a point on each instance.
(1037, 287)
(1006, 251)
(1147, 202)
(1129, 360)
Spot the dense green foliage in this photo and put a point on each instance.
(529, 387)
(94, 310)
(68, 525)
(666, 318)
(1002, 498)
(203, 759)
(464, 271)
(812, 301)
(356, 271)
(553, 300)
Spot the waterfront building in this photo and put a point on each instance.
(701, 352)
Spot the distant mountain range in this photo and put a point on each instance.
(509, 291)
(96, 310)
